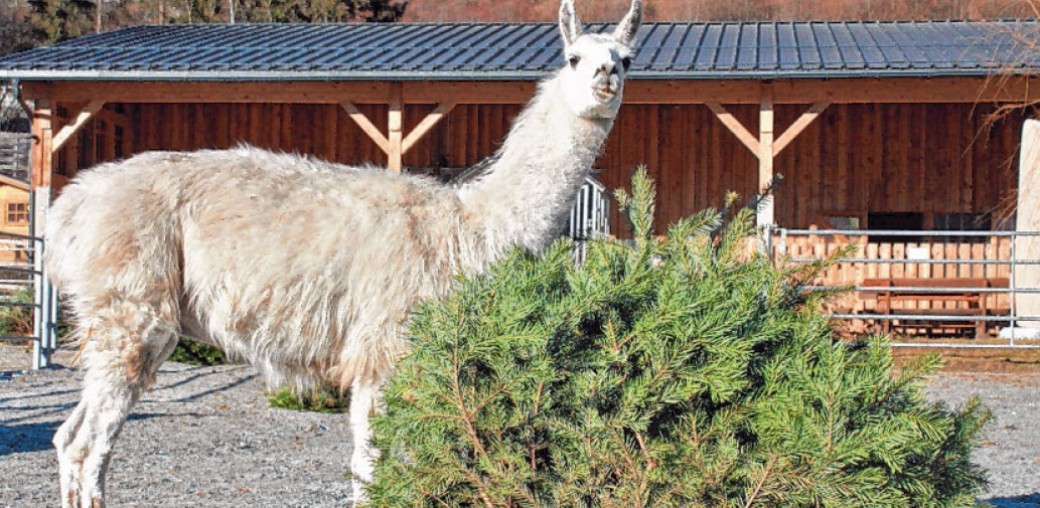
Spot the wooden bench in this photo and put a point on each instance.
(968, 294)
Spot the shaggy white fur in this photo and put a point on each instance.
(304, 268)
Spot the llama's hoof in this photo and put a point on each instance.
(360, 495)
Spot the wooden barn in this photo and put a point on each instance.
(873, 125)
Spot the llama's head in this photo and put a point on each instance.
(596, 64)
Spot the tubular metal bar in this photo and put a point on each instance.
(18, 269)
(908, 261)
(906, 232)
(935, 290)
(921, 289)
(931, 317)
(15, 236)
(945, 345)
(6, 303)
(16, 338)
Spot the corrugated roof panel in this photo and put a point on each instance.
(893, 53)
(747, 47)
(677, 50)
(787, 47)
(652, 38)
(873, 57)
(729, 45)
(708, 52)
(808, 49)
(670, 47)
(851, 56)
(688, 52)
(768, 56)
(900, 33)
(830, 54)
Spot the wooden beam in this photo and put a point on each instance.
(735, 127)
(366, 125)
(81, 119)
(299, 92)
(766, 213)
(963, 90)
(42, 140)
(426, 124)
(789, 91)
(394, 130)
(798, 126)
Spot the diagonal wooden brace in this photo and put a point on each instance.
(69, 130)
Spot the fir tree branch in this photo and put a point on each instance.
(761, 481)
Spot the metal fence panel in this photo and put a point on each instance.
(936, 284)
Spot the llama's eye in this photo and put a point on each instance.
(573, 60)
(626, 62)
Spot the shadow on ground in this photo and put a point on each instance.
(35, 437)
(1026, 501)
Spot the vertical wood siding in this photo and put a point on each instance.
(941, 158)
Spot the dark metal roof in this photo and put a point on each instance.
(527, 51)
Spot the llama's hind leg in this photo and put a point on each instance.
(364, 400)
(120, 363)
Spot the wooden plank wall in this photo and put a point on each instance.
(854, 158)
(325, 131)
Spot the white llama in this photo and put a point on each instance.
(304, 268)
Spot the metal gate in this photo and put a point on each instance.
(26, 297)
(590, 215)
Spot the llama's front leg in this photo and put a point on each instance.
(364, 399)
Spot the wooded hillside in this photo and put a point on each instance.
(591, 10)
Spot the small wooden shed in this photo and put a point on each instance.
(870, 123)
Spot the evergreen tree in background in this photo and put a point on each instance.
(682, 371)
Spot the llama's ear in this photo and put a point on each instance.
(570, 27)
(629, 25)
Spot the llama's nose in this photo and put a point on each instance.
(607, 69)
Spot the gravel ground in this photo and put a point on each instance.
(206, 437)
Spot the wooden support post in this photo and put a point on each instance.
(42, 121)
(764, 146)
(66, 132)
(397, 144)
(394, 123)
(765, 159)
(42, 169)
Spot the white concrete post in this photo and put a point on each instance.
(1027, 218)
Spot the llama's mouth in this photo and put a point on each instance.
(604, 94)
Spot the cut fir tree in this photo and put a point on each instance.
(674, 371)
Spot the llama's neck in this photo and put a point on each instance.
(528, 191)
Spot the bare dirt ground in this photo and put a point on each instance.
(205, 436)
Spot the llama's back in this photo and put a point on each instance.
(303, 268)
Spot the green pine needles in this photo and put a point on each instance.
(679, 371)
